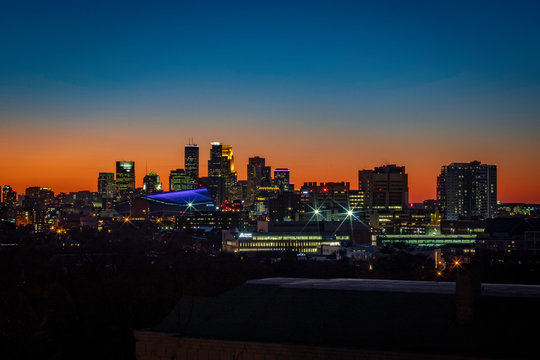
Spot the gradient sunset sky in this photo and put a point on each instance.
(323, 88)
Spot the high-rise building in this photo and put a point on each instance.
(282, 179)
(9, 196)
(191, 162)
(258, 175)
(152, 183)
(467, 190)
(384, 188)
(106, 185)
(9, 201)
(36, 205)
(221, 164)
(38, 198)
(125, 178)
(180, 180)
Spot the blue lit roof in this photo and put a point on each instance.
(196, 196)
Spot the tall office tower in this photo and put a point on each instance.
(9, 200)
(221, 164)
(191, 162)
(125, 178)
(106, 185)
(215, 163)
(467, 190)
(281, 179)
(258, 175)
(152, 183)
(180, 180)
(384, 188)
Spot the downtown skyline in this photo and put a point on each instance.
(142, 167)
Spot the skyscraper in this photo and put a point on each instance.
(152, 183)
(191, 162)
(282, 179)
(384, 188)
(258, 175)
(467, 190)
(9, 200)
(125, 178)
(106, 185)
(221, 164)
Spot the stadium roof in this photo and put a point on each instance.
(183, 197)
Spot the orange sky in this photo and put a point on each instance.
(69, 157)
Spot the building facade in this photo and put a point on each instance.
(180, 180)
(191, 162)
(384, 188)
(125, 178)
(282, 179)
(467, 190)
(152, 183)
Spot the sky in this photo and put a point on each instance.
(322, 88)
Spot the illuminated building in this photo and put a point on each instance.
(258, 175)
(125, 178)
(239, 191)
(467, 190)
(307, 243)
(282, 179)
(106, 185)
(261, 203)
(384, 188)
(36, 205)
(221, 165)
(180, 180)
(191, 162)
(9, 201)
(439, 240)
(356, 199)
(152, 183)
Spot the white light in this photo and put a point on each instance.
(316, 211)
(349, 212)
(190, 204)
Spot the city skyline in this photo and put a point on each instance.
(243, 176)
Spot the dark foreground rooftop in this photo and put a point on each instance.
(380, 315)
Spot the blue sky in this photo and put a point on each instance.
(299, 61)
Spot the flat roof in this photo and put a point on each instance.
(403, 286)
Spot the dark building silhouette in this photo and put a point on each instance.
(384, 188)
(191, 162)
